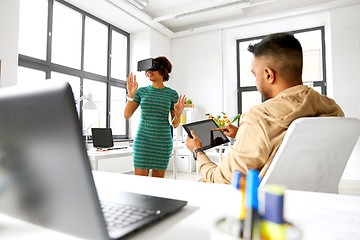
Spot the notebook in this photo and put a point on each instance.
(203, 130)
(45, 173)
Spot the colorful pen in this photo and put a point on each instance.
(242, 206)
(252, 219)
(238, 181)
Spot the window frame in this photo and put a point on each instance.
(321, 84)
(47, 66)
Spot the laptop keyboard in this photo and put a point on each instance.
(118, 216)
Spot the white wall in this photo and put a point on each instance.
(9, 25)
(159, 45)
(198, 71)
(345, 38)
(201, 74)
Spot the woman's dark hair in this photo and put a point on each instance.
(165, 67)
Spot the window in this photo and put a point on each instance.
(33, 28)
(74, 83)
(66, 36)
(118, 99)
(96, 49)
(58, 41)
(95, 118)
(313, 45)
(118, 56)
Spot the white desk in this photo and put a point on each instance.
(95, 156)
(318, 215)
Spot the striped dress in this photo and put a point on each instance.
(153, 142)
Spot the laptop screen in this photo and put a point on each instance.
(102, 137)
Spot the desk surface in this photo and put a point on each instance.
(109, 153)
(318, 215)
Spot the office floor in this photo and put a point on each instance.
(188, 176)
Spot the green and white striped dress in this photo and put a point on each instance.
(153, 142)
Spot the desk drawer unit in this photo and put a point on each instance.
(185, 163)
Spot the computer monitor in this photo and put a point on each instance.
(102, 137)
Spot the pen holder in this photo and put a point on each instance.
(223, 230)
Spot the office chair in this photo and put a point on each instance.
(313, 154)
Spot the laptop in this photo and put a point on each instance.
(203, 130)
(103, 139)
(45, 173)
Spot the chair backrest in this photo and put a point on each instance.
(313, 154)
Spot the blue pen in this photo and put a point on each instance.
(252, 219)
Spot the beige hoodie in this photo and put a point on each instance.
(262, 130)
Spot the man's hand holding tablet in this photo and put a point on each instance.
(202, 135)
(193, 142)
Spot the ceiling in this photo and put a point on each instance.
(175, 18)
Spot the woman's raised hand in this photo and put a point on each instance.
(132, 85)
(180, 105)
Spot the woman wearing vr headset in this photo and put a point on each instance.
(153, 142)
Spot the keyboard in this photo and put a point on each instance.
(119, 216)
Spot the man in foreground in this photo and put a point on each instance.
(277, 66)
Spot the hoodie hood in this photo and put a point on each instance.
(295, 102)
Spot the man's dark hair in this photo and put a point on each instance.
(285, 48)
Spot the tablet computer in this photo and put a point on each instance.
(203, 130)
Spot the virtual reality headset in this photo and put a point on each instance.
(149, 64)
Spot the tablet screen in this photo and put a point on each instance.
(203, 131)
